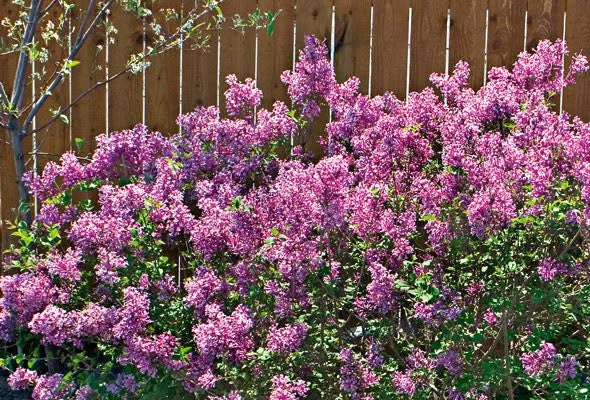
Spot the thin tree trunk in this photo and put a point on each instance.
(16, 141)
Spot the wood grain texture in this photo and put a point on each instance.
(238, 49)
(429, 33)
(163, 76)
(125, 92)
(275, 53)
(544, 21)
(199, 69)
(55, 139)
(88, 115)
(505, 31)
(467, 37)
(314, 17)
(576, 99)
(352, 41)
(390, 46)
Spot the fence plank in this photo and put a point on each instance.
(163, 76)
(544, 21)
(88, 115)
(429, 32)
(390, 46)
(314, 17)
(275, 53)
(505, 31)
(577, 35)
(352, 40)
(467, 37)
(125, 93)
(199, 69)
(238, 49)
(53, 140)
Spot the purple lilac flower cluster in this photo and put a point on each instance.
(546, 360)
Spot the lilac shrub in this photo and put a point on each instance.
(437, 249)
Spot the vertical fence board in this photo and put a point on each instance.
(505, 32)
(238, 49)
(199, 69)
(544, 21)
(352, 40)
(54, 139)
(390, 46)
(314, 17)
(429, 32)
(163, 76)
(275, 53)
(125, 92)
(88, 115)
(467, 37)
(577, 34)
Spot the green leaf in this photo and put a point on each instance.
(78, 142)
(69, 64)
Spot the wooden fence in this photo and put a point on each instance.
(391, 45)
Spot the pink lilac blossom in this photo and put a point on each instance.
(403, 383)
(133, 316)
(490, 317)
(313, 77)
(241, 98)
(200, 288)
(283, 388)
(65, 266)
(54, 324)
(26, 294)
(146, 353)
(355, 375)
(450, 361)
(223, 334)
(51, 387)
(539, 361)
(86, 393)
(567, 369)
(22, 378)
(286, 339)
(548, 269)
(122, 382)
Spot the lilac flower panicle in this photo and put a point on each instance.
(286, 339)
(22, 378)
(567, 369)
(404, 384)
(539, 361)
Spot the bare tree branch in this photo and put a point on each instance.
(85, 21)
(79, 42)
(80, 97)
(158, 48)
(49, 6)
(23, 60)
